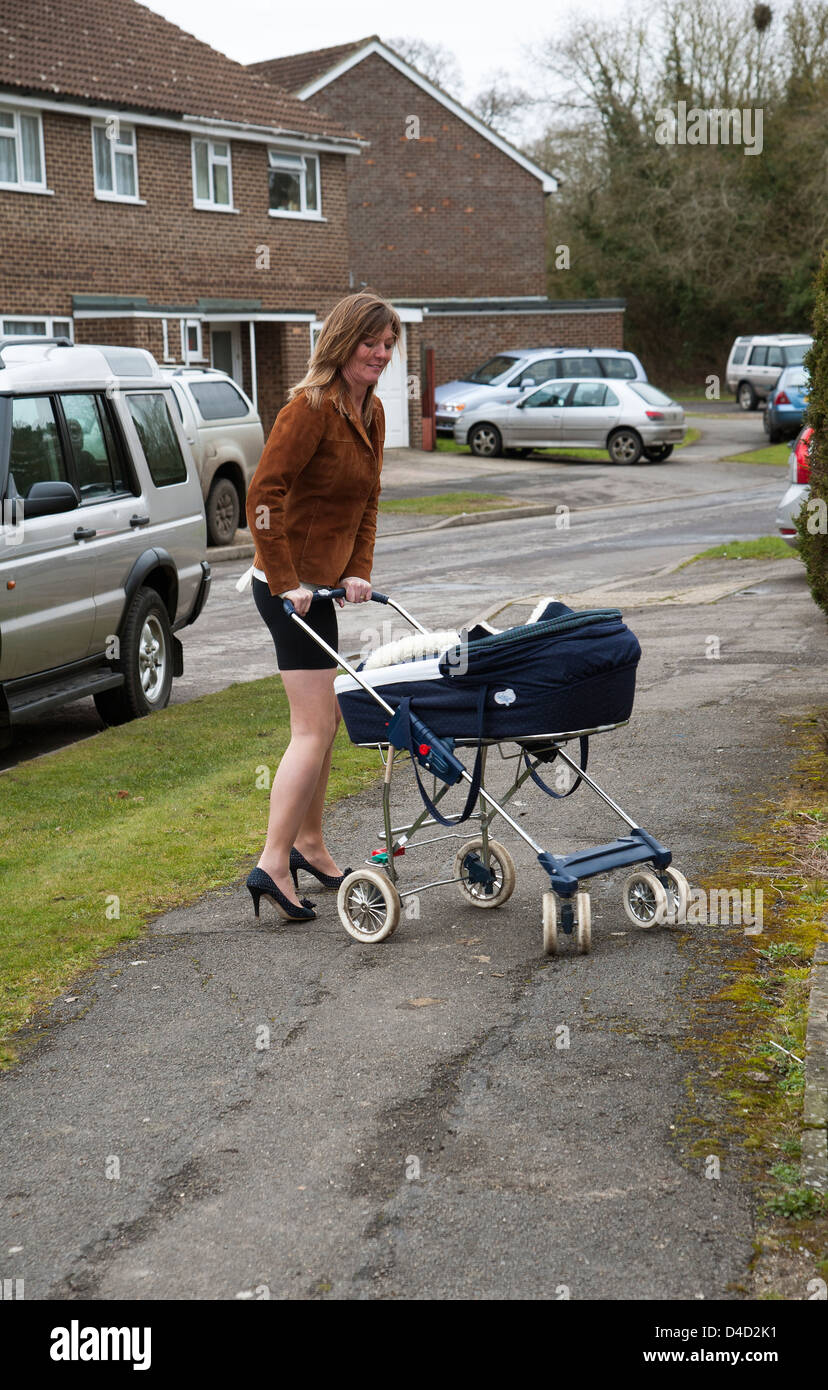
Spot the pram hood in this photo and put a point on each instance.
(573, 671)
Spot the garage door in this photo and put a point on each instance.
(394, 396)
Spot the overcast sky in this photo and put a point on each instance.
(484, 35)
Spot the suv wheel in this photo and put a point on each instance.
(746, 396)
(485, 441)
(223, 511)
(624, 446)
(146, 660)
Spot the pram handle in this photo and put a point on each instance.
(335, 593)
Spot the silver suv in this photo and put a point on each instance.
(225, 434)
(506, 376)
(102, 546)
(756, 361)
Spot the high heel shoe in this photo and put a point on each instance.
(260, 885)
(298, 861)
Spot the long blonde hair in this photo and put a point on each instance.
(353, 319)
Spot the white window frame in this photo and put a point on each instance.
(207, 204)
(7, 322)
(274, 155)
(186, 355)
(24, 185)
(116, 146)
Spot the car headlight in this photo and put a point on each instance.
(451, 407)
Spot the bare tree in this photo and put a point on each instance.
(433, 60)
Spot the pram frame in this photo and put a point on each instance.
(565, 872)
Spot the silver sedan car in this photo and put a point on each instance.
(628, 419)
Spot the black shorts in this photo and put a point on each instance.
(295, 650)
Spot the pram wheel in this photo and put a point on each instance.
(645, 899)
(678, 896)
(583, 924)
(480, 886)
(368, 905)
(550, 925)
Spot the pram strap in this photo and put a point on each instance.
(559, 796)
(403, 716)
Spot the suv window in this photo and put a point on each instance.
(758, 356)
(739, 354)
(619, 367)
(492, 370)
(36, 455)
(548, 396)
(579, 366)
(218, 400)
(97, 463)
(159, 440)
(536, 371)
(795, 356)
(776, 357)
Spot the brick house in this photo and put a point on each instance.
(154, 192)
(443, 213)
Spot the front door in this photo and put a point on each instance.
(394, 396)
(225, 349)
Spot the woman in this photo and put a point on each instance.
(312, 508)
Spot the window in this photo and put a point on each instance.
(758, 357)
(535, 371)
(795, 356)
(94, 452)
(159, 441)
(739, 354)
(585, 394)
(115, 161)
(35, 455)
(619, 367)
(22, 162)
(191, 349)
(493, 370)
(548, 396)
(212, 181)
(218, 400)
(776, 357)
(651, 394)
(36, 328)
(294, 184)
(579, 366)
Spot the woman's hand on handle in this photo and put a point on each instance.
(356, 590)
(300, 598)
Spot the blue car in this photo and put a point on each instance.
(784, 414)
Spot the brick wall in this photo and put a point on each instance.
(462, 342)
(443, 215)
(166, 250)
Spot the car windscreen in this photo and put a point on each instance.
(493, 370)
(795, 377)
(218, 400)
(5, 441)
(795, 354)
(649, 393)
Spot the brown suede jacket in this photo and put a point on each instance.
(312, 504)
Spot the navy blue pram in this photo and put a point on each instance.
(566, 676)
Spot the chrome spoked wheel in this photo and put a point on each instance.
(153, 659)
(485, 441)
(645, 899)
(485, 885)
(368, 905)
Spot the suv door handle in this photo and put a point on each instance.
(82, 534)
(139, 521)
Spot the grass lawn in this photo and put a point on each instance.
(764, 548)
(448, 503)
(134, 821)
(771, 453)
(448, 446)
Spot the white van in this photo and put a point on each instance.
(756, 360)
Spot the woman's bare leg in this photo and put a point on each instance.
(309, 837)
(298, 784)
